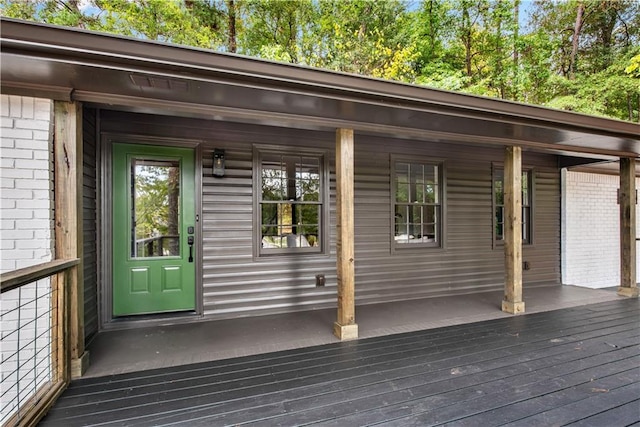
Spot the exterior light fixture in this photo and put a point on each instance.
(218, 162)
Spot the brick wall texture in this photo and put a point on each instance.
(26, 212)
(590, 230)
(26, 236)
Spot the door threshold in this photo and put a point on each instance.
(147, 320)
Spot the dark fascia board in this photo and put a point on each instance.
(602, 168)
(75, 43)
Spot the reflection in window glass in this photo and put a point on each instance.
(417, 203)
(498, 201)
(291, 203)
(155, 194)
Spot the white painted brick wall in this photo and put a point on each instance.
(590, 230)
(25, 182)
(26, 238)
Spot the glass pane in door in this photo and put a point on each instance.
(155, 208)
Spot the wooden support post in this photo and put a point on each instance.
(512, 302)
(345, 327)
(628, 285)
(68, 166)
(60, 334)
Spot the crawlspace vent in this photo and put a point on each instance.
(159, 83)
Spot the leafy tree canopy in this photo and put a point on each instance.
(578, 55)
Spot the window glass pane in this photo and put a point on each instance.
(308, 215)
(293, 184)
(417, 203)
(402, 193)
(415, 231)
(419, 193)
(308, 187)
(272, 240)
(311, 236)
(291, 165)
(415, 213)
(309, 166)
(430, 214)
(525, 189)
(269, 213)
(526, 212)
(268, 230)
(285, 218)
(274, 178)
(499, 223)
(498, 187)
(401, 223)
(433, 174)
(416, 183)
(156, 208)
(429, 231)
(499, 192)
(431, 194)
(402, 173)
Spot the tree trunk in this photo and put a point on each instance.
(516, 32)
(516, 54)
(466, 38)
(432, 31)
(576, 38)
(231, 39)
(499, 68)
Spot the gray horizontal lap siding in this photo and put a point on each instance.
(235, 283)
(89, 219)
(469, 262)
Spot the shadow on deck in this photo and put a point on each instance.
(576, 365)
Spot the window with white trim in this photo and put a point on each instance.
(498, 203)
(417, 203)
(290, 202)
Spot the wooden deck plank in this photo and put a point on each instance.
(464, 374)
(618, 416)
(434, 375)
(223, 389)
(627, 381)
(326, 395)
(257, 359)
(451, 400)
(619, 407)
(244, 369)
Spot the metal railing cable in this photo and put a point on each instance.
(34, 340)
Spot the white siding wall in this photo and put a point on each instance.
(26, 239)
(590, 230)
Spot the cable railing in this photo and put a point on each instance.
(35, 365)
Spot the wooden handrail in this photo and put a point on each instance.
(15, 279)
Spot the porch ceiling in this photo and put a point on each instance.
(143, 76)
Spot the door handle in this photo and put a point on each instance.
(190, 241)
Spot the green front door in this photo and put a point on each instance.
(153, 232)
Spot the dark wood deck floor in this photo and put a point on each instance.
(578, 366)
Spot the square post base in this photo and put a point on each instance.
(79, 366)
(630, 292)
(513, 307)
(345, 332)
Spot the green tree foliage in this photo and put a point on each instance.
(162, 20)
(274, 29)
(578, 55)
(365, 37)
(59, 12)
